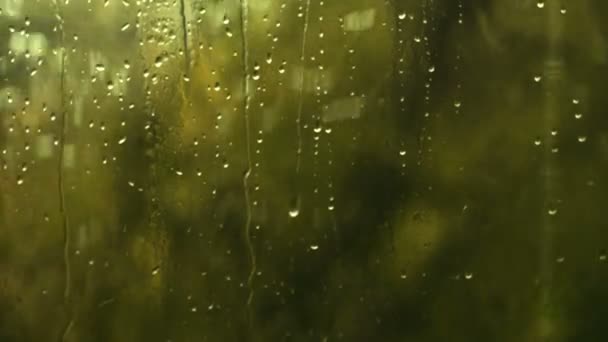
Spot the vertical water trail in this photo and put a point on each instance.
(60, 183)
(301, 95)
(246, 187)
(182, 13)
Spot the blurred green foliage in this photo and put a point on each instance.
(365, 170)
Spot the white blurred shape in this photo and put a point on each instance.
(44, 146)
(37, 44)
(97, 58)
(360, 20)
(78, 110)
(120, 83)
(313, 78)
(344, 109)
(17, 43)
(69, 156)
(12, 8)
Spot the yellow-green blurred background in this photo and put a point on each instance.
(303, 170)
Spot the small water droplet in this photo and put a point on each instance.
(552, 211)
(294, 212)
(468, 276)
(155, 270)
(314, 247)
(540, 4)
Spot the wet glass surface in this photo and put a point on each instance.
(303, 170)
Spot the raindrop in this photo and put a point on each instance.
(294, 212)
